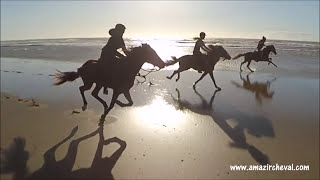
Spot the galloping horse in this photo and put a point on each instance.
(189, 61)
(120, 77)
(249, 56)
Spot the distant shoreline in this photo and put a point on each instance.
(135, 38)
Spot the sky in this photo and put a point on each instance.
(288, 20)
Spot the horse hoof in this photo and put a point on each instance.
(84, 107)
(168, 77)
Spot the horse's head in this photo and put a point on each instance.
(272, 49)
(219, 51)
(150, 56)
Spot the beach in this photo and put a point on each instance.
(172, 131)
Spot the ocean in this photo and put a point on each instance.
(292, 56)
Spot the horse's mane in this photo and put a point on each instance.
(269, 47)
(212, 47)
(133, 50)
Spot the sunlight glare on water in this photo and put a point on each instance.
(159, 112)
(165, 48)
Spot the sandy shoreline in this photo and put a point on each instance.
(255, 119)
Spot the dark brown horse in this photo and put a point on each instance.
(189, 61)
(256, 55)
(120, 77)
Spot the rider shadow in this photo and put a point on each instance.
(255, 125)
(260, 89)
(52, 169)
(14, 159)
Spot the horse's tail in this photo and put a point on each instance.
(175, 60)
(239, 55)
(62, 77)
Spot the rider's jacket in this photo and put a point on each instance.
(110, 49)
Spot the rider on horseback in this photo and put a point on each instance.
(260, 46)
(109, 51)
(196, 50)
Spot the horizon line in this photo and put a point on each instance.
(316, 41)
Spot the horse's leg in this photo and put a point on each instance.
(113, 101)
(202, 76)
(242, 64)
(174, 73)
(214, 82)
(70, 158)
(49, 156)
(181, 69)
(249, 65)
(128, 97)
(95, 93)
(272, 63)
(86, 86)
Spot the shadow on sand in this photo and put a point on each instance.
(14, 159)
(255, 125)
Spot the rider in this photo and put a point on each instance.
(200, 44)
(114, 43)
(109, 51)
(260, 45)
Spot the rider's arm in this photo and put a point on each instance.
(119, 54)
(125, 50)
(123, 46)
(205, 48)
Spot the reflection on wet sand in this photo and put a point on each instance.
(256, 125)
(150, 113)
(261, 89)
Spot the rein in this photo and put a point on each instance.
(145, 75)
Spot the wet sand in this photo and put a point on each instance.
(172, 131)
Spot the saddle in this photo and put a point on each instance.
(202, 62)
(259, 56)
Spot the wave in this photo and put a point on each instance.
(299, 47)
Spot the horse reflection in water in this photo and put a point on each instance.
(260, 89)
(255, 125)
